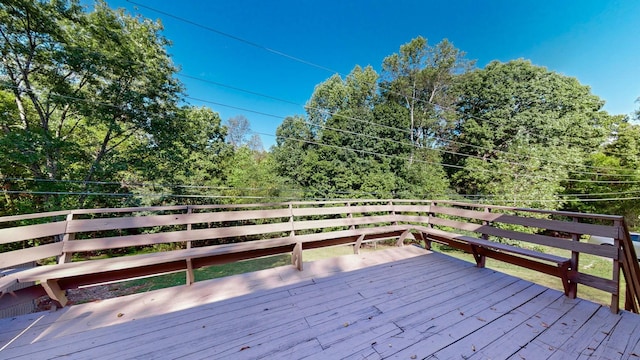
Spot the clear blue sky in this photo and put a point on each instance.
(596, 41)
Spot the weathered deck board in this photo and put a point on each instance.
(400, 303)
(625, 339)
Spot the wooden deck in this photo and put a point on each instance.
(403, 303)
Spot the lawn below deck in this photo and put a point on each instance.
(404, 303)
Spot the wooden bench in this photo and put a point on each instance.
(481, 248)
(490, 226)
(185, 238)
(302, 234)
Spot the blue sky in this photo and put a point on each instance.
(596, 41)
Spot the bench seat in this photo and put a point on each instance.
(448, 236)
(481, 248)
(56, 278)
(7, 281)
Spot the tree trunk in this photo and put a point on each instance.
(101, 152)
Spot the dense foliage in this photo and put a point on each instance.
(92, 116)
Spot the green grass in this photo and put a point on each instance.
(240, 267)
(589, 264)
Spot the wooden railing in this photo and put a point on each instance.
(564, 231)
(184, 238)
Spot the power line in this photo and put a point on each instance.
(309, 63)
(355, 133)
(296, 59)
(131, 184)
(291, 57)
(363, 121)
(359, 134)
(165, 195)
(85, 193)
(394, 129)
(375, 153)
(435, 163)
(230, 188)
(450, 165)
(236, 38)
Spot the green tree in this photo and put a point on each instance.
(238, 128)
(522, 129)
(294, 139)
(419, 77)
(196, 155)
(422, 176)
(342, 111)
(93, 92)
(252, 177)
(351, 146)
(612, 183)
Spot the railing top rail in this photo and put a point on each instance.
(32, 216)
(539, 211)
(300, 203)
(219, 221)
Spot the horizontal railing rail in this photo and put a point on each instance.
(184, 238)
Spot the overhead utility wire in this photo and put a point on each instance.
(416, 160)
(237, 38)
(562, 197)
(408, 143)
(447, 165)
(333, 114)
(136, 184)
(249, 42)
(373, 153)
(83, 193)
(130, 194)
(259, 46)
(223, 188)
(133, 195)
(405, 131)
(354, 133)
(284, 190)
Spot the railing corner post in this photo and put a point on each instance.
(66, 257)
(190, 277)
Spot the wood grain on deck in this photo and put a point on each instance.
(404, 303)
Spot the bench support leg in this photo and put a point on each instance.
(55, 292)
(296, 256)
(403, 236)
(190, 276)
(570, 287)
(356, 247)
(425, 238)
(479, 258)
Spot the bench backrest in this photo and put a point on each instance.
(90, 231)
(564, 231)
(59, 235)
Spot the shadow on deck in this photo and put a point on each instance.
(404, 303)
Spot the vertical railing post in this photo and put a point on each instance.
(296, 255)
(66, 257)
(190, 275)
(575, 261)
(393, 212)
(350, 216)
(486, 223)
(430, 216)
(628, 263)
(293, 232)
(615, 297)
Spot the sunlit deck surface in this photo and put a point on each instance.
(404, 303)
